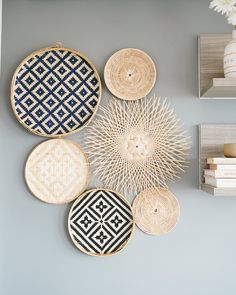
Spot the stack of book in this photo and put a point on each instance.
(221, 172)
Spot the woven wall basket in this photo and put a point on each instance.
(55, 91)
(57, 171)
(130, 74)
(100, 222)
(156, 211)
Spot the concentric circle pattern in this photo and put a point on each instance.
(57, 171)
(100, 222)
(130, 74)
(156, 211)
(55, 91)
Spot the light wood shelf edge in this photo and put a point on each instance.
(211, 81)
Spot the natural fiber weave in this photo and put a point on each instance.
(55, 91)
(57, 171)
(156, 211)
(100, 222)
(130, 74)
(134, 145)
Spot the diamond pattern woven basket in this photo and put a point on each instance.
(55, 91)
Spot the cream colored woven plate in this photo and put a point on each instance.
(130, 74)
(156, 211)
(57, 171)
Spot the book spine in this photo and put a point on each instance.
(227, 161)
(220, 173)
(222, 167)
(220, 182)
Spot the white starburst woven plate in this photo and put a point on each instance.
(100, 222)
(57, 171)
(130, 74)
(55, 91)
(156, 211)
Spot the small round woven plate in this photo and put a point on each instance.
(100, 222)
(57, 171)
(156, 211)
(130, 74)
(55, 91)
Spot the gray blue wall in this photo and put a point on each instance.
(36, 254)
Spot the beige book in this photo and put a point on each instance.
(222, 167)
(220, 182)
(221, 160)
(220, 173)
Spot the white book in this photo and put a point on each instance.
(222, 182)
(221, 160)
(220, 173)
(222, 167)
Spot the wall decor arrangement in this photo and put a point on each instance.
(130, 74)
(57, 171)
(55, 91)
(136, 144)
(100, 222)
(156, 211)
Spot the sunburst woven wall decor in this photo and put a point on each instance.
(100, 222)
(57, 171)
(55, 91)
(138, 144)
(156, 211)
(130, 74)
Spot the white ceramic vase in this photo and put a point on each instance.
(230, 58)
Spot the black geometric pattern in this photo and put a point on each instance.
(55, 92)
(100, 222)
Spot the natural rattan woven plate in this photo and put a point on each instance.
(100, 222)
(130, 74)
(57, 171)
(156, 211)
(55, 91)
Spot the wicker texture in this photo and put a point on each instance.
(134, 145)
(57, 171)
(156, 211)
(100, 222)
(130, 74)
(55, 91)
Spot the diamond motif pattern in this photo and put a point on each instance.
(56, 91)
(100, 222)
(56, 170)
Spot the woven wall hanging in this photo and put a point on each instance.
(130, 74)
(156, 211)
(57, 171)
(55, 91)
(136, 145)
(100, 222)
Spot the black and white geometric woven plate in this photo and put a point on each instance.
(55, 91)
(100, 222)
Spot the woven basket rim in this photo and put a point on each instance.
(40, 51)
(157, 189)
(78, 200)
(88, 172)
(135, 50)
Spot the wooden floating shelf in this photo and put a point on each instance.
(211, 141)
(221, 88)
(212, 83)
